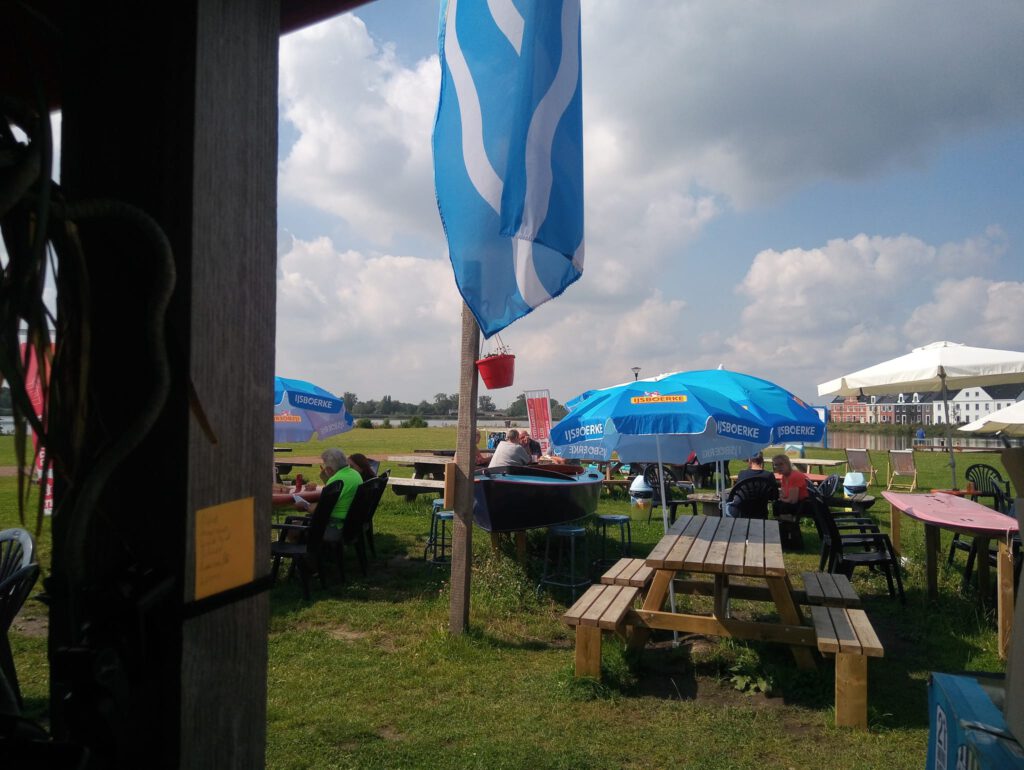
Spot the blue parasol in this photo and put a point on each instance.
(302, 409)
(715, 413)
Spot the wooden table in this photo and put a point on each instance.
(715, 551)
(942, 511)
(804, 464)
(427, 474)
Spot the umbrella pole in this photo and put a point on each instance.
(949, 431)
(664, 522)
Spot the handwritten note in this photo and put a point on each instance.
(225, 545)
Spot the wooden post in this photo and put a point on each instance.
(465, 452)
(171, 107)
(1004, 596)
(851, 690)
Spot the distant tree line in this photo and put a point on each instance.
(443, 405)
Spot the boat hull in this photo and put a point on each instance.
(514, 498)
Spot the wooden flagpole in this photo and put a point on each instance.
(465, 453)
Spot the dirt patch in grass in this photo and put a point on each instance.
(344, 634)
(390, 733)
(35, 626)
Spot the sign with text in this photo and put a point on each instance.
(224, 547)
(538, 409)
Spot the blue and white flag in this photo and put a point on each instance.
(508, 152)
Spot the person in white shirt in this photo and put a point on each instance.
(510, 452)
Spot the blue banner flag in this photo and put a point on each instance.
(508, 152)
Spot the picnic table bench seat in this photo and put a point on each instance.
(847, 633)
(829, 589)
(628, 572)
(601, 608)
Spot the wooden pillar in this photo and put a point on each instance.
(170, 106)
(465, 451)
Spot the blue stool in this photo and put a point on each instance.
(559, 574)
(438, 504)
(438, 545)
(625, 533)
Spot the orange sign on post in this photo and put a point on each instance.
(538, 409)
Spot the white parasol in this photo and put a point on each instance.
(939, 366)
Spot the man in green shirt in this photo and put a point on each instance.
(336, 468)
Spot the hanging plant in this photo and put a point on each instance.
(497, 369)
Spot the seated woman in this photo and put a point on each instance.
(361, 465)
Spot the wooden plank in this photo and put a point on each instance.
(679, 552)
(734, 557)
(848, 594)
(801, 636)
(588, 651)
(851, 691)
(612, 574)
(869, 641)
(823, 629)
(753, 562)
(848, 641)
(833, 597)
(618, 607)
(1004, 597)
(812, 587)
(694, 559)
(714, 560)
(593, 613)
(575, 612)
(782, 594)
(773, 562)
(642, 576)
(656, 558)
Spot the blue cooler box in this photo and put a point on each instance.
(967, 730)
(854, 483)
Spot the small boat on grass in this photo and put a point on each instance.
(513, 498)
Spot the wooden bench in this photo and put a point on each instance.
(827, 589)
(601, 608)
(628, 572)
(847, 634)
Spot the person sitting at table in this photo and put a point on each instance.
(532, 447)
(510, 452)
(754, 469)
(335, 467)
(792, 501)
(359, 462)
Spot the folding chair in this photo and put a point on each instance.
(901, 465)
(859, 461)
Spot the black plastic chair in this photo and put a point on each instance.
(380, 484)
(751, 497)
(18, 574)
(988, 482)
(353, 529)
(306, 549)
(877, 550)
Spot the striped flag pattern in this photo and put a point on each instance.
(508, 152)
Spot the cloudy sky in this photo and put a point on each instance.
(790, 189)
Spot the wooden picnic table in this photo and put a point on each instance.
(716, 551)
(804, 464)
(945, 511)
(427, 474)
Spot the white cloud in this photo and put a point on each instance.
(814, 314)
(364, 122)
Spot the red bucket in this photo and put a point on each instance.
(497, 371)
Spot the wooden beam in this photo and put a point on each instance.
(170, 107)
(465, 452)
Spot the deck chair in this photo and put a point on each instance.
(901, 466)
(18, 573)
(859, 461)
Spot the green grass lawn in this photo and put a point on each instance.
(366, 675)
